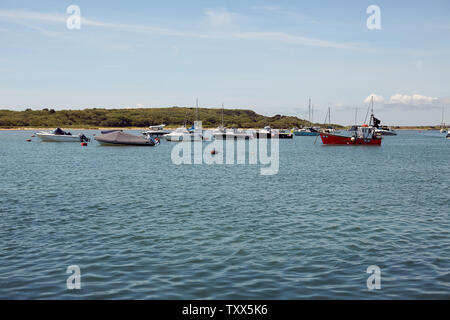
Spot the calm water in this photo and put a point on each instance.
(141, 227)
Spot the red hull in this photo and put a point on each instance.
(328, 138)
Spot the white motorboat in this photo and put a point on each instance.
(385, 131)
(183, 134)
(156, 131)
(232, 133)
(59, 135)
(447, 136)
(265, 133)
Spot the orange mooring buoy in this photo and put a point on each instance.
(213, 151)
(84, 144)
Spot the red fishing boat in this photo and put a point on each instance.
(363, 135)
(359, 135)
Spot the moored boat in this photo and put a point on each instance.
(59, 135)
(124, 139)
(183, 134)
(282, 134)
(363, 135)
(385, 131)
(310, 131)
(156, 131)
(359, 135)
(232, 133)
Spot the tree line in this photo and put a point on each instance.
(144, 117)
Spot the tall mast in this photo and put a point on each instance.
(372, 105)
(356, 115)
(329, 115)
(222, 115)
(196, 110)
(371, 115)
(309, 110)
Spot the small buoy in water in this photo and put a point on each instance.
(33, 136)
(213, 151)
(84, 144)
(28, 140)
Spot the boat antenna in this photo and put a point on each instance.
(356, 115)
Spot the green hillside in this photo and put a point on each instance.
(143, 117)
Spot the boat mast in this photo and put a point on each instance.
(309, 110)
(222, 116)
(371, 116)
(329, 115)
(196, 110)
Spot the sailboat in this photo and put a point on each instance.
(184, 134)
(308, 131)
(330, 128)
(226, 133)
(220, 130)
(361, 135)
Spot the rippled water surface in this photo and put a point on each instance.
(140, 227)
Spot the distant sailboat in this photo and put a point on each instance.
(308, 131)
(330, 128)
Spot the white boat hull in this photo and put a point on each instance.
(57, 138)
(179, 138)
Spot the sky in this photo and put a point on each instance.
(267, 56)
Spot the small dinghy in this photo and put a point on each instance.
(124, 139)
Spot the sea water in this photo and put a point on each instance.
(140, 227)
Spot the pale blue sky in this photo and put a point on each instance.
(268, 56)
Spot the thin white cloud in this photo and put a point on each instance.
(267, 8)
(290, 38)
(221, 18)
(215, 17)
